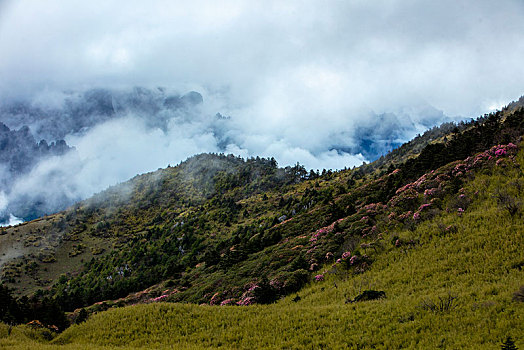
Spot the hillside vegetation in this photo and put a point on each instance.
(438, 238)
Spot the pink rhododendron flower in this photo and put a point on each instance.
(353, 260)
(500, 152)
(227, 302)
(424, 206)
(245, 301)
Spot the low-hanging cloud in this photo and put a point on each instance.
(303, 81)
(138, 133)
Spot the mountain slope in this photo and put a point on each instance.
(222, 230)
(209, 214)
(472, 259)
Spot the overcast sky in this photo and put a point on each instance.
(276, 57)
(296, 77)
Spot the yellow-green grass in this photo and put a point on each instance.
(479, 262)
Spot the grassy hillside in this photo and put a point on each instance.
(471, 258)
(437, 234)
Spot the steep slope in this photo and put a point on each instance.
(60, 243)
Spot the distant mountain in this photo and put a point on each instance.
(19, 150)
(79, 111)
(19, 153)
(31, 132)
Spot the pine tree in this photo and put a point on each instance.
(509, 344)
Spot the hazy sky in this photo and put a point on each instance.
(295, 76)
(275, 57)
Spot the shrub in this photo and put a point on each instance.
(519, 295)
(368, 295)
(444, 304)
(508, 202)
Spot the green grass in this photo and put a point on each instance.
(476, 263)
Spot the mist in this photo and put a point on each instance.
(327, 84)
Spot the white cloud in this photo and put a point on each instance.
(380, 53)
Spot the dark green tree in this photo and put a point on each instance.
(82, 316)
(509, 344)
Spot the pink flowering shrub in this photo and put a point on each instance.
(500, 152)
(431, 192)
(276, 284)
(314, 237)
(405, 216)
(353, 260)
(245, 301)
(215, 299)
(405, 200)
(324, 231)
(424, 206)
(461, 202)
(160, 298)
(319, 278)
(373, 209)
(404, 188)
(249, 296)
(365, 232)
(228, 302)
(394, 172)
(460, 169)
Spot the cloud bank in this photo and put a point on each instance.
(308, 81)
(285, 58)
